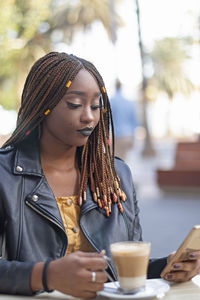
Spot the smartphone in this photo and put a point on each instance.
(190, 244)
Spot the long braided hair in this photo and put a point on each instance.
(46, 84)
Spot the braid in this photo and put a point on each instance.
(43, 89)
(104, 181)
(45, 86)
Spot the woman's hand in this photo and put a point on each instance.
(184, 270)
(72, 274)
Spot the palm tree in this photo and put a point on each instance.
(148, 149)
(168, 57)
(73, 16)
(27, 27)
(17, 27)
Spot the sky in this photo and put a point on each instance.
(159, 19)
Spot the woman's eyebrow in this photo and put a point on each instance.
(79, 93)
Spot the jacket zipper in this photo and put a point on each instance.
(48, 218)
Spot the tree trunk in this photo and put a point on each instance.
(113, 25)
(148, 149)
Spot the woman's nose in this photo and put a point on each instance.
(87, 115)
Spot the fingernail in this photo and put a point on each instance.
(169, 277)
(176, 266)
(192, 255)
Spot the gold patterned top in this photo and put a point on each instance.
(70, 213)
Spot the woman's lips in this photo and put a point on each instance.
(85, 131)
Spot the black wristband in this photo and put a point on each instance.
(44, 276)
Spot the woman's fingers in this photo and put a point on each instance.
(169, 258)
(93, 264)
(91, 254)
(95, 286)
(185, 266)
(86, 295)
(93, 261)
(183, 271)
(78, 267)
(100, 277)
(177, 276)
(193, 255)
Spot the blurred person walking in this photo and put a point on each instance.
(125, 121)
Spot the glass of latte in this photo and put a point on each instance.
(131, 261)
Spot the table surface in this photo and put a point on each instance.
(181, 291)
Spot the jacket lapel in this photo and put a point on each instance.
(27, 158)
(42, 198)
(37, 192)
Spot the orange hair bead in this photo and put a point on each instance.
(114, 196)
(84, 196)
(120, 207)
(116, 184)
(119, 192)
(80, 201)
(105, 200)
(123, 196)
(95, 197)
(107, 211)
(109, 205)
(98, 194)
(99, 203)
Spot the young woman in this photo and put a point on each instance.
(63, 196)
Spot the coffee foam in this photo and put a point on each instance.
(129, 249)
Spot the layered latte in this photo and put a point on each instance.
(131, 261)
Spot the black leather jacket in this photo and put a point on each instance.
(31, 228)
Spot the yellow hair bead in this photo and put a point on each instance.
(103, 89)
(47, 112)
(68, 84)
(104, 110)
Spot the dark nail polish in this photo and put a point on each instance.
(169, 276)
(192, 255)
(176, 266)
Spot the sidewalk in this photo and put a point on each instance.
(165, 217)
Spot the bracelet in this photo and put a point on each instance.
(44, 276)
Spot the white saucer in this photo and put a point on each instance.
(153, 288)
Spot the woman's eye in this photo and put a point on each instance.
(73, 105)
(96, 106)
